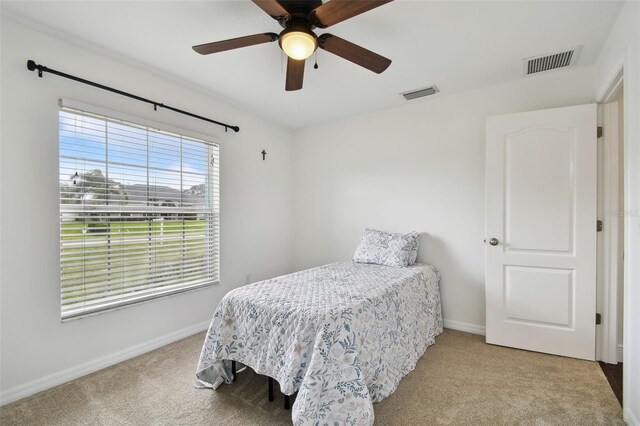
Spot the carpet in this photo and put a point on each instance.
(459, 381)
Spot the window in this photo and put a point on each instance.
(139, 212)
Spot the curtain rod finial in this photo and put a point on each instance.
(32, 66)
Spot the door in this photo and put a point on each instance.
(541, 177)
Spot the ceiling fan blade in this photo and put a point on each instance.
(295, 74)
(273, 9)
(354, 53)
(235, 43)
(336, 11)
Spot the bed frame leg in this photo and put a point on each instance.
(270, 389)
(287, 405)
(233, 370)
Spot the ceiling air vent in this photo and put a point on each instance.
(551, 61)
(420, 93)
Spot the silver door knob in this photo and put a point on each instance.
(493, 241)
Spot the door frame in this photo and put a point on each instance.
(626, 65)
(608, 245)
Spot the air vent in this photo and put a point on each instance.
(420, 93)
(551, 61)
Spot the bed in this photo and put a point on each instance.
(341, 335)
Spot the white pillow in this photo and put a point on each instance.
(384, 248)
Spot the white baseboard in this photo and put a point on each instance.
(55, 379)
(620, 353)
(630, 418)
(465, 326)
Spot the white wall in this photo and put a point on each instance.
(37, 350)
(622, 49)
(419, 167)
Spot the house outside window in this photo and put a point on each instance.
(139, 211)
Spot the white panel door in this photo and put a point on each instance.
(541, 173)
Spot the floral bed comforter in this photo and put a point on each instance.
(341, 335)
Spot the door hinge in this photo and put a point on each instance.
(599, 131)
(598, 225)
(598, 319)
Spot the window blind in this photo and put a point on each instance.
(139, 212)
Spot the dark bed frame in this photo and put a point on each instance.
(287, 398)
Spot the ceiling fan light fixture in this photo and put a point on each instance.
(298, 44)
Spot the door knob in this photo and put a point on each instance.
(493, 241)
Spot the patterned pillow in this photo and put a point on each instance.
(384, 248)
(414, 250)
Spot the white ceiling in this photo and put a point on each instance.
(455, 45)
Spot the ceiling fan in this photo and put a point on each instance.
(298, 41)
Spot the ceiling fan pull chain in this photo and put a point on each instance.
(315, 66)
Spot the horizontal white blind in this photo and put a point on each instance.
(139, 212)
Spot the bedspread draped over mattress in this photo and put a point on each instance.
(342, 335)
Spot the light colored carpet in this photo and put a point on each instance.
(459, 381)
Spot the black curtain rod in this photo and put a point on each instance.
(32, 66)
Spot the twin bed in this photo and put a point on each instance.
(341, 335)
